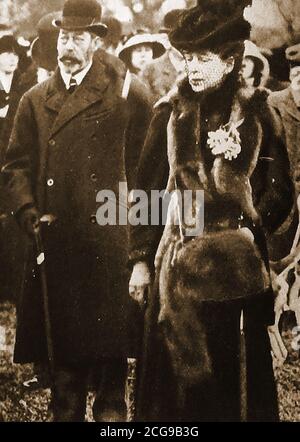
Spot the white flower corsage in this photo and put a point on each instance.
(226, 140)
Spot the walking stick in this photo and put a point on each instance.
(130, 391)
(42, 267)
(243, 371)
(136, 364)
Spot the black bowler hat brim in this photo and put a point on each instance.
(80, 24)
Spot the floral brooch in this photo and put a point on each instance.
(226, 140)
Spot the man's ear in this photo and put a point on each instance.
(230, 64)
(96, 43)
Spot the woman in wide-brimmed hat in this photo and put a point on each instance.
(255, 68)
(206, 350)
(139, 50)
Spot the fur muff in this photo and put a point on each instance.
(218, 267)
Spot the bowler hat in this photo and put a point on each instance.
(210, 25)
(82, 15)
(43, 48)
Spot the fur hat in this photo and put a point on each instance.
(82, 15)
(211, 25)
(43, 48)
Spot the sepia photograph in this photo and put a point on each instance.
(149, 213)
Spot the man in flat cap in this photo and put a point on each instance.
(75, 134)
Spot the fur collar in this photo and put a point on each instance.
(232, 88)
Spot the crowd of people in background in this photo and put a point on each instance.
(146, 53)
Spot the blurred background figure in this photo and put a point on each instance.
(287, 104)
(255, 67)
(279, 68)
(161, 75)
(10, 75)
(114, 35)
(139, 50)
(43, 48)
(5, 29)
(10, 52)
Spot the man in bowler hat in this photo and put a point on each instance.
(75, 134)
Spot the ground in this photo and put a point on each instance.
(17, 404)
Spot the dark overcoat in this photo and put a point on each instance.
(11, 253)
(283, 104)
(64, 149)
(214, 396)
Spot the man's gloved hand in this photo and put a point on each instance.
(139, 282)
(29, 220)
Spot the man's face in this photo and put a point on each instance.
(206, 70)
(8, 62)
(75, 49)
(141, 56)
(295, 77)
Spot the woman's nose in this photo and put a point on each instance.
(193, 62)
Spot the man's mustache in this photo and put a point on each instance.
(69, 58)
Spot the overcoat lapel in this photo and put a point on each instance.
(91, 90)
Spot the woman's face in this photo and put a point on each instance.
(206, 70)
(141, 56)
(247, 68)
(8, 62)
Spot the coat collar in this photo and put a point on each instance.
(92, 89)
(289, 104)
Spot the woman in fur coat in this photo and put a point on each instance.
(206, 353)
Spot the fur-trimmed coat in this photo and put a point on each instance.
(197, 342)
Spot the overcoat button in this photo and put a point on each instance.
(94, 177)
(93, 219)
(52, 143)
(50, 182)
